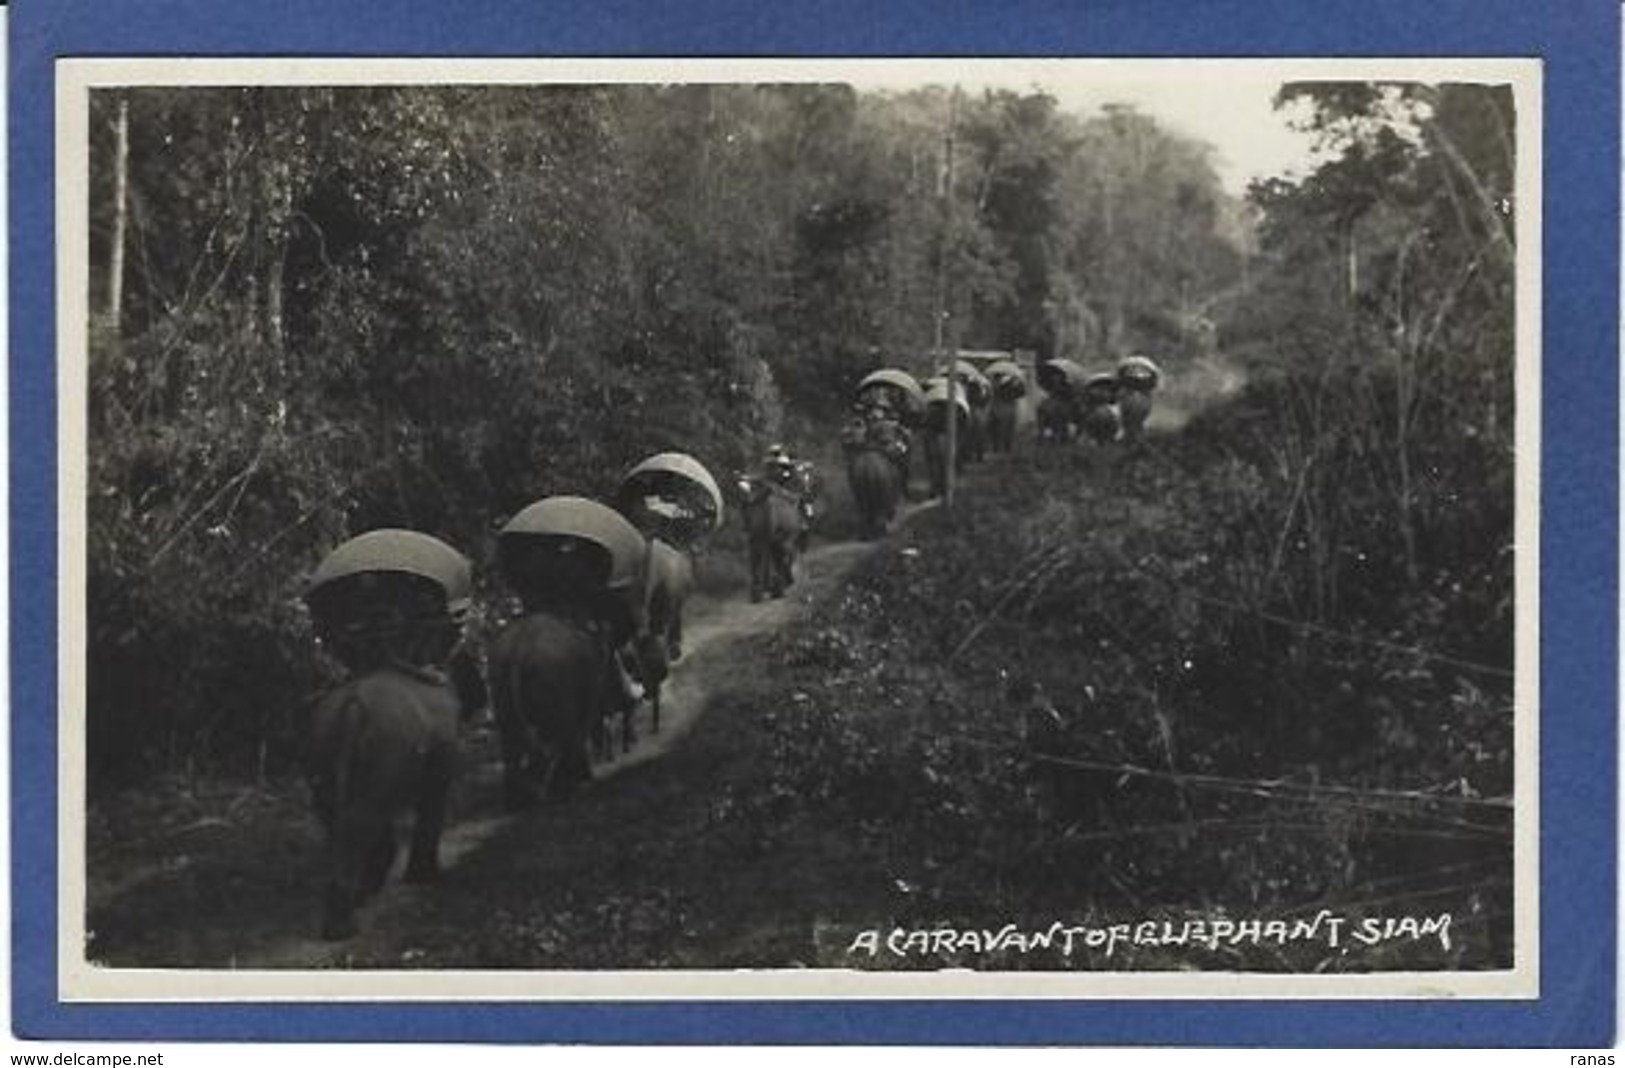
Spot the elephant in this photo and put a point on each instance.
(382, 744)
(1102, 422)
(936, 443)
(776, 527)
(876, 487)
(936, 460)
(1001, 426)
(1135, 407)
(669, 581)
(1057, 421)
(977, 429)
(550, 673)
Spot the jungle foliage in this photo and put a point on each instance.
(1265, 664)
(320, 310)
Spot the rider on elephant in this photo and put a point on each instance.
(785, 473)
(855, 431)
(877, 426)
(887, 435)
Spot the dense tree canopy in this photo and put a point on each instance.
(1382, 313)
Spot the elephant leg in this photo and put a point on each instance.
(423, 866)
(518, 768)
(338, 914)
(576, 768)
(786, 569)
(354, 832)
(600, 738)
(573, 768)
(654, 710)
(674, 636)
(325, 802)
(545, 772)
(380, 857)
(519, 785)
(758, 584)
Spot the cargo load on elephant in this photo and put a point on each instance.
(784, 476)
(1063, 379)
(1099, 415)
(573, 553)
(895, 389)
(1008, 379)
(1138, 377)
(875, 429)
(1100, 388)
(978, 388)
(936, 403)
(1139, 373)
(673, 497)
(390, 596)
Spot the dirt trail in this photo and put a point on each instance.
(713, 632)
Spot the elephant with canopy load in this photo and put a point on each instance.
(876, 448)
(1084, 401)
(936, 430)
(898, 399)
(1137, 379)
(389, 605)
(1009, 383)
(895, 389)
(556, 673)
(1059, 413)
(1099, 415)
(673, 500)
(979, 392)
(774, 507)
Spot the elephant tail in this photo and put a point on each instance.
(508, 700)
(339, 724)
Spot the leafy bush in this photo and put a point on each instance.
(1073, 693)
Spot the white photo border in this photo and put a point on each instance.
(80, 981)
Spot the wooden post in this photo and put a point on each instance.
(121, 166)
(944, 243)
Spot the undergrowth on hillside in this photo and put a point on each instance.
(1078, 699)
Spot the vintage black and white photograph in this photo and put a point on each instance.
(1062, 527)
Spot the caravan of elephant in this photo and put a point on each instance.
(601, 589)
(1103, 406)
